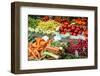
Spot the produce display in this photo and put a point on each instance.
(57, 37)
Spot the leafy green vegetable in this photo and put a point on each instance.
(33, 22)
(55, 43)
(69, 56)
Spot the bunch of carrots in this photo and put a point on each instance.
(36, 49)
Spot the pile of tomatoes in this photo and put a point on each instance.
(73, 29)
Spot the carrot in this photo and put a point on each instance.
(43, 44)
(37, 53)
(38, 41)
(48, 42)
(40, 49)
(30, 51)
(34, 44)
(36, 48)
(52, 48)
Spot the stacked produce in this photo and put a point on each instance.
(57, 37)
(73, 29)
(47, 27)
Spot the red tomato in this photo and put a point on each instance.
(75, 34)
(78, 28)
(61, 29)
(76, 31)
(62, 32)
(80, 32)
(68, 30)
(65, 23)
(73, 27)
(69, 26)
(84, 28)
(64, 26)
(65, 30)
(71, 33)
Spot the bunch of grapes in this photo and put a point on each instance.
(77, 44)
